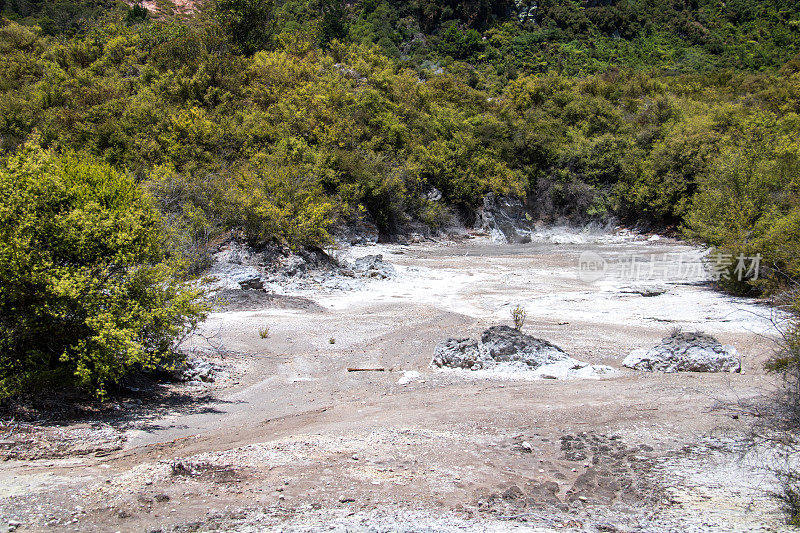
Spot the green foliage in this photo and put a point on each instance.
(281, 202)
(285, 119)
(459, 44)
(136, 14)
(250, 24)
(748, 203)
(333, 24)
(86, 295)
(63, 17)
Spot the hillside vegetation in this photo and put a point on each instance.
(283, 120)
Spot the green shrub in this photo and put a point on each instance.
(279, 202)
(86, 292)
(747, 204)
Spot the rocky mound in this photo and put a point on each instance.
(686, 352)
(502, 346)
(239, 269)
(505, 219)
(372, 266)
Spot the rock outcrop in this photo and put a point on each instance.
(498, 344)
(506, 344)
(686, 352)
(509, 349)
(239, 269)
(506, 219)
(460, 353)
(360, 230)
(372, 266)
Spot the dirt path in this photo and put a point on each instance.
(301, 443)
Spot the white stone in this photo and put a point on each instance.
(686, 352)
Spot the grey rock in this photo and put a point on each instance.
(686, 352)
(317, 259)
(195, 371)
(498, 344)
(373, 266)
(458, 353)
(362, 230)
(308, 261)
(506, 344)
(434, 194)
(506, 219)
(295, 265)
(251, 282)
(237, 252)
(226, 275)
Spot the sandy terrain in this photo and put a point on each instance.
(296, 442)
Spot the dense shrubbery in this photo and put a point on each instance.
(86, 294)
(284, 119)
(286, 142)
(584, 36)
(749, 201)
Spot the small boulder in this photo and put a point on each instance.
(686, 352)
(250, 281)
(498, 344)
(504, 349)
(373, 266)
(195, 371)
(458, 353)
(506, 344)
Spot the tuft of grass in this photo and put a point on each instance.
(263, 332)
(332, 340)
(518, 315)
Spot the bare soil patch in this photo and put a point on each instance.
(293, 441)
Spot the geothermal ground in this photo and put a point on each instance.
(291, 440)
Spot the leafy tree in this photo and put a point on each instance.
(333, 25)
(137, 14)
(86, 292)
(748, 204)
(250, 24)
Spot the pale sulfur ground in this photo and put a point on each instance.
(300, 443)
